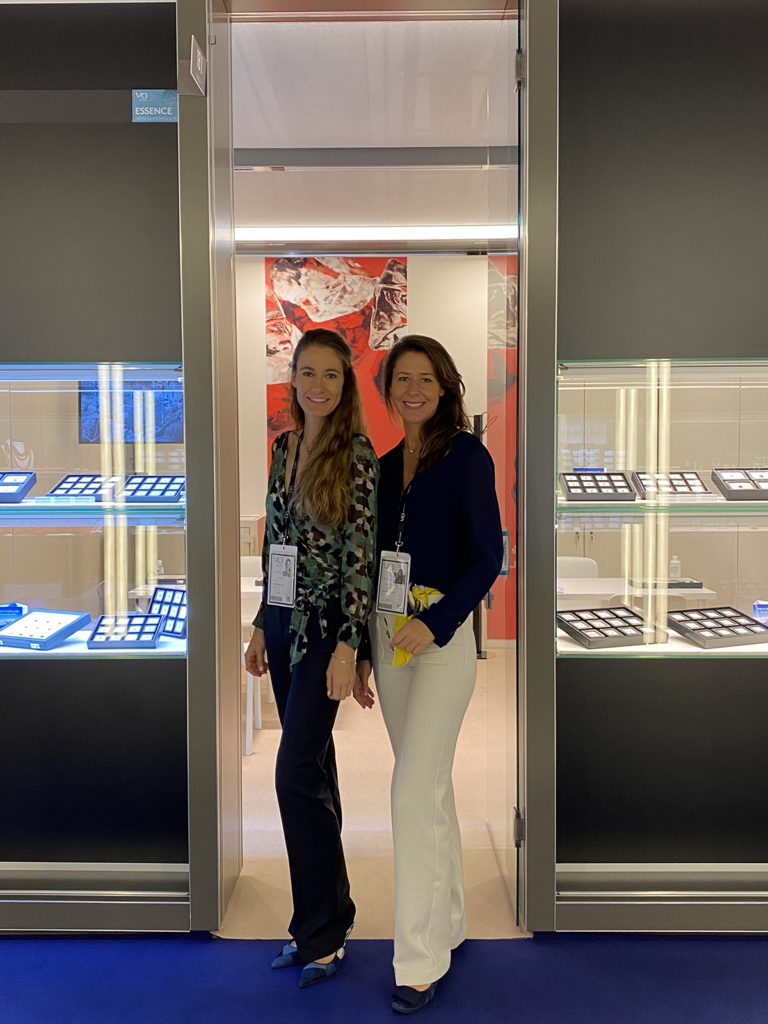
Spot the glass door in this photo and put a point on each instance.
(381, 199)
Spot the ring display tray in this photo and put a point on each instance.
(14, 486)
(617, 626)
(42, 629)
(144, 488)
(717, 627)
(742, 484)
(171, 603)
(596, 486)
(85, 485)
(132, 631)
(677, 482)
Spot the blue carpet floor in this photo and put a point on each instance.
(551, 979)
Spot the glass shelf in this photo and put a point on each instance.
(683, 507)
(60, 512)
(75, 647)
(675, 647)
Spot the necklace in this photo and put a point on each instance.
(413, 451)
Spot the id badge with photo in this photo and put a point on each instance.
(281, 583)
(394, 581)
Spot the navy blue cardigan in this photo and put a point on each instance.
(452, 529)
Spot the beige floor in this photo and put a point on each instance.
(261, 906)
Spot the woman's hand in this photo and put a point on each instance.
(256, 654)
(340, 676)
(413, 637)
(362, 692)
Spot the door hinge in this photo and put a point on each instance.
(519, 68)
(518, 829)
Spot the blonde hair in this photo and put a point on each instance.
(323, 487)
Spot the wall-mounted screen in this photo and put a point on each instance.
(168, 401)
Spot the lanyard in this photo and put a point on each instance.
(401, 521)
(289, 494)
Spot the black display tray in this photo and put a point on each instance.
(596, 486)
(738, 484)
(723, 626)
(617, 626)
(677, 483)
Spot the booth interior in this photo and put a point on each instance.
(355, 212)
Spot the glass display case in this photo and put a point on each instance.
(652, 541)
(92, 508)
(661, 636)
(93, 637)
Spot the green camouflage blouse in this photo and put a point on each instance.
(333, 562)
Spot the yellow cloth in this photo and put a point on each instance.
(419, 601)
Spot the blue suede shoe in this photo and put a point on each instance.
(314, 972)
(408, 1000)
(287, 957)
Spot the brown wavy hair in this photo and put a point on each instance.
(450, 416)
(323, 487)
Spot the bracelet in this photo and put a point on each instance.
(342, 660)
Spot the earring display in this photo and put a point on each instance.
(85, 485)
(171, 603)
(132, 631)
(717, 627)
(742, 484)
(15, 486)
(596, 485)
(42, 629)
(617, 626)
(144, 488)
(654, 485)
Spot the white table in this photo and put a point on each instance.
(601, 589)
(250, 599)
(142, 594)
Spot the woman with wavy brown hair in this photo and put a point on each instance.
(318, 559)
(440, 544)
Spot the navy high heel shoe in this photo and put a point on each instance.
(314, 972)
(409, 1000)
(287, 957)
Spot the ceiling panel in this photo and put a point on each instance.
(375, 122)
(381, 83)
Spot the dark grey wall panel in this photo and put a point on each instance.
(663, 201)
(89, 220)
(88, 46)
(93, 760)
(662, 760)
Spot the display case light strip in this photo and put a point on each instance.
(377, 233)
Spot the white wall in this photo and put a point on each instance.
(447, 300)
(251, 379)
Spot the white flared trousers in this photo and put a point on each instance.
(423, 704)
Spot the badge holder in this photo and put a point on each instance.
(394, 582)
(281, 582)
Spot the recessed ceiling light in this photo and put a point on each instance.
(380, 233)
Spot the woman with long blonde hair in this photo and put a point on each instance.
(318, 558)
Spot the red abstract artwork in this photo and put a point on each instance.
(364, 299)
(502, 428)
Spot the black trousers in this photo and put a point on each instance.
(307, 786)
